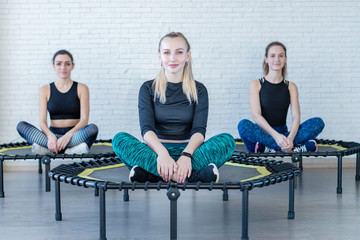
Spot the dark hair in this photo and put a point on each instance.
(265, 66)
(62, 52)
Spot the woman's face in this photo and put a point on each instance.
(173, 54)
(276, 58)
(63, 65)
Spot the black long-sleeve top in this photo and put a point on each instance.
(176, 119)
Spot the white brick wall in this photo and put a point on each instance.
(114, 43)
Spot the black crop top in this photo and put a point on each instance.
(64, 105)
(177, 119)
(274, 102)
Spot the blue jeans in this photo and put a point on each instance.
(32, 134)
(251, 133)
(131, 152)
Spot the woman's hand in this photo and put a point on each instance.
(166, 166)
(183, 169)
(290, 145)
(52, 146)
(63, 141)
(283, 142)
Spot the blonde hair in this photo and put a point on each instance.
(188, 85)
(265, 66)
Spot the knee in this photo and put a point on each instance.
(21, 125)
(243, 125)
(320, 123)
(93, 128)
(228, 142)
(119, 138)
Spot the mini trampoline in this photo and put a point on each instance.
(326, 148)
(22, 151)
(238, 173)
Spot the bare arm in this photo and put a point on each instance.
(84, 96)
(295, 111)
(44, 95)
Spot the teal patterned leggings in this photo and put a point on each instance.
(131, 152)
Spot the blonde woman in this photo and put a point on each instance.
(173, 112)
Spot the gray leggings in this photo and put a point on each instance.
(32, 134)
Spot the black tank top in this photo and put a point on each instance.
(274, 101)
(64, 105)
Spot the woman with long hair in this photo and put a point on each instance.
(173, 113)
(270, 98)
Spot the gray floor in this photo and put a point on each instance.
(27, 212)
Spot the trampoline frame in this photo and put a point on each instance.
(44, 160)
(64, 173)
(352, 148)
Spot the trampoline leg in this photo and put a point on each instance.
(58, 214)
(173, 194)
(245, 214)
(96, 191)
(291, 213)
(225, 195)
(301, 163)
(339, 176)
(46, 160)
(2, 194)
(102, 214)
(126, 195)
(357, 176)
(40, 166)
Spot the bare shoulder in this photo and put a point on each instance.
(45, 90)
(83, 91)
(255, 84)
(292, 86)
(82, 88)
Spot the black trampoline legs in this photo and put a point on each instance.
(357, 176)
(339, 175)
(39, 166)
(173, 195)
(245, 214)
(225, 195)
(291, 213)
(58, 214)
(46, 161)
(2, 194)
(102, 214)
(126, 195)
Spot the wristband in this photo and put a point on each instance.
(186, 154)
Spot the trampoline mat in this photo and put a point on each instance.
(96, 148)
(240, 147)
(229, 172)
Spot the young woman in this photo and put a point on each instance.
(173, 112)
(270, 98)
(68, 104)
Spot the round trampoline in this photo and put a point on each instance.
(326, 148)
(238, 173)
(22, 151)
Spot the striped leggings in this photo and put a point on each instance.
(32, 134)
(131, 152)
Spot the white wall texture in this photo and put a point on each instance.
(114, 43)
